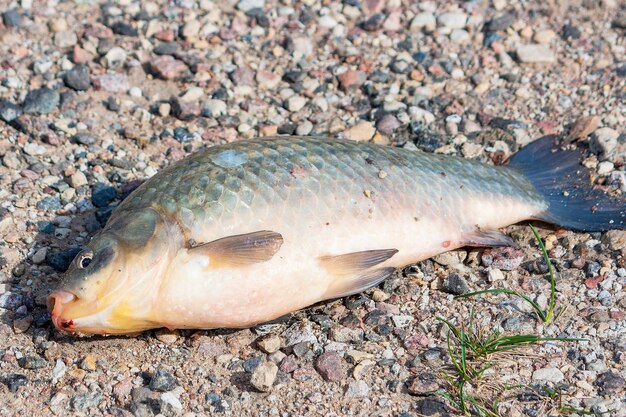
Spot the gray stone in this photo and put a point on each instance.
(298, 333)
(162, 381)
(78, 78)
(42, 66)
(553, 375)
(84, 138)
(501, 22)
(39, 256)
(455, 284)
(41, 101)
(515, 324)
(611, 383)
(12, 18)
(86, 401)
(15, 381)
(32, 362)
(304, 128)
(604, 142)
(250, 364)
(144, 403)
(166, 48)
(506, 258)
(59, 370)
(358, 389)
(9, 111)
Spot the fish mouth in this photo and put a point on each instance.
(57, 300)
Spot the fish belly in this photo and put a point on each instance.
(195, 295)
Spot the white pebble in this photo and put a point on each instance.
(135, 92)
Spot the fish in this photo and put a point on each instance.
(243, 233)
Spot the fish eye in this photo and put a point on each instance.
(85, 260)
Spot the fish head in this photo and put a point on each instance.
(107, 288)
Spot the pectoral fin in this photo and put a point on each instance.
(241, 250)
(487, 238)
(351, 271)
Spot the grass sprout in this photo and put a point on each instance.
(545, 316)
(473, 352)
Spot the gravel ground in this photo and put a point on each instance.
(96, 97)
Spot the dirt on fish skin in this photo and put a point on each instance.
(392, 74)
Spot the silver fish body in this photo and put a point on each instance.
(243, 233)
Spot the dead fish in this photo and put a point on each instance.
(243, 233)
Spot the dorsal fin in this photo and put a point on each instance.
(351, 263)
(241, 250)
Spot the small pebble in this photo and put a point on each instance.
(357, 389)
(269, 343)
(166, 336)
(264, 376)
(78, 78)
(362, 131)
(162, 381)
(535, 54)
(452, 20)
(296, 103)
(59, 370)
(553, 375)
(455, 284)
(88, 363)
(12, 18)
(41, 101)
(329, 366)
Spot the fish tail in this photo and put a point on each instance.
(565, 184)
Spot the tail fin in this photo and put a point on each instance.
(572, 201)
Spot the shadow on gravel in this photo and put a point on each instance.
(52, 250)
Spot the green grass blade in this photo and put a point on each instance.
(576, 410)
(534, 305)
(548, 316)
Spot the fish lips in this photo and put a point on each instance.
(56, 302)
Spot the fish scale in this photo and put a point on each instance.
(287, 173)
